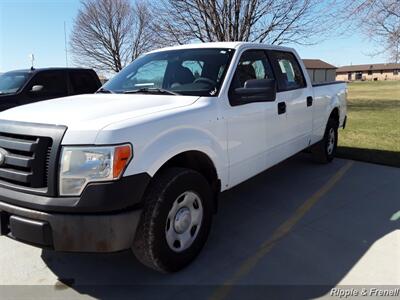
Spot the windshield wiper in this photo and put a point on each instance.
(104, 91)
(151, 91)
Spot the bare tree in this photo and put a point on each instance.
(142, 36)
(270, 21)
(380, 21)
(108, 34)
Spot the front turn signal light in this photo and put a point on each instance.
(122, 156)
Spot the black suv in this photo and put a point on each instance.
(27, 86)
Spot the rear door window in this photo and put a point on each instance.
(288, 71)
(83, 83)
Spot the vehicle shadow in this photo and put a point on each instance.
(307, 263)
(389, 158)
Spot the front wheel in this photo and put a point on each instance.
(325, 150)
(176, 220)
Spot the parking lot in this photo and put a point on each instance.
(299, 228)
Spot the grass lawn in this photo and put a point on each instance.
(373, 127)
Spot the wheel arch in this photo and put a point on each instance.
(198, 161)
(335, 115)
(195, 160)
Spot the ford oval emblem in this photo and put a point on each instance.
(3, 154)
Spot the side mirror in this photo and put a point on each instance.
(257, 90)
(37, 89)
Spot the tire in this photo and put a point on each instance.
(165, 213)
(325, 150)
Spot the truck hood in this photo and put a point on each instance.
(103, 109)
(88, 114)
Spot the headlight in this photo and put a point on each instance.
(81, 165)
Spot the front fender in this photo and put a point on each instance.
(152, 156)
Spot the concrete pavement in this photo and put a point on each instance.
(346, 234)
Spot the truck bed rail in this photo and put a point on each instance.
(327, 83)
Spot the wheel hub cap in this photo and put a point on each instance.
(331, 141)
(183, 220)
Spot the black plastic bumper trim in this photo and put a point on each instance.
(104, 197)
(31, 231)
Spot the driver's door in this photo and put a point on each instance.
(251, 126)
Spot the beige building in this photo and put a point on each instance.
(369, 72)
(320, 71)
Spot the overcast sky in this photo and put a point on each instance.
(37, 26)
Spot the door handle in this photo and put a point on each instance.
(309, 101)
(281, 108)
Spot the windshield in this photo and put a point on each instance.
(12, 82)
(196, 72)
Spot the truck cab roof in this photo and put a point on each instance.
(227, 45)
(37, 70)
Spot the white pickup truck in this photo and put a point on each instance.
(140, 164)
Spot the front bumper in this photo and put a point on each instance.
(70, 232)
(103, 219)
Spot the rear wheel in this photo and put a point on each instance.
(176, 220)
(325, 150)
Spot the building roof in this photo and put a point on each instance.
(370, 67)
(317, 64)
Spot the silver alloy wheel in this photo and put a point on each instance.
(184, 221)
(331, 141)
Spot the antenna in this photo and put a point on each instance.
(65, 45)
(32, 58)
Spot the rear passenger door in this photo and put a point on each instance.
(297, 99)
(82, 82)
(45, 85)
